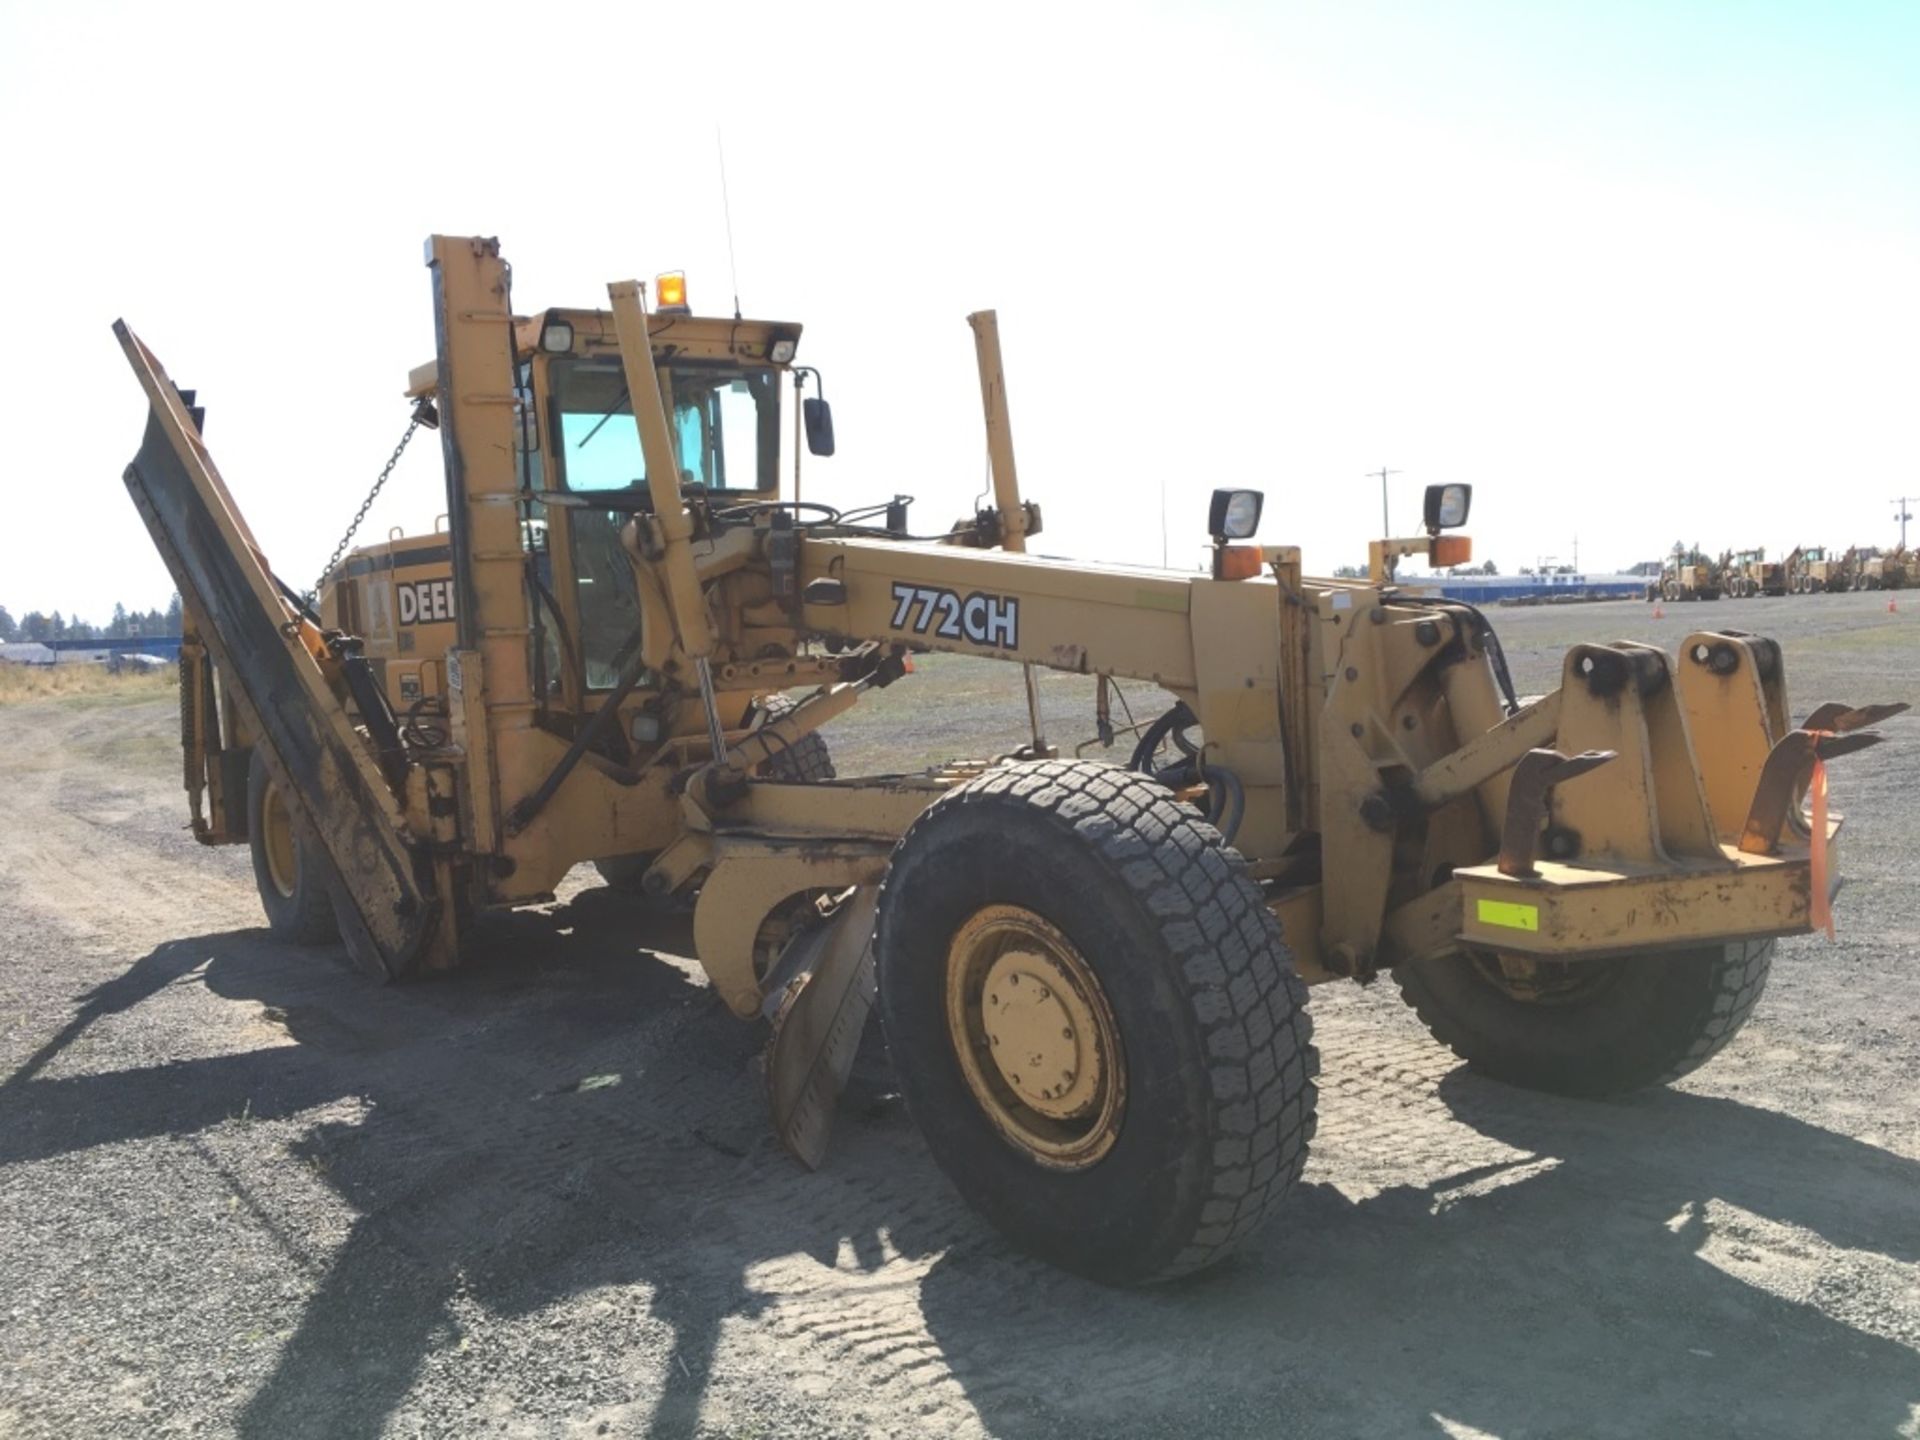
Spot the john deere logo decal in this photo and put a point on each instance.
(425, 602)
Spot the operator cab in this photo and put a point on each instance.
(721, 390)
(581, 464)
(720, 382)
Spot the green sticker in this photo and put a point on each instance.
(1508, 914)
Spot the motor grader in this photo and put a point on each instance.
(1815, 572)
(1897, 569)
(1875, 569)
(1689, 575)
(1751, 574)
(1091, 975)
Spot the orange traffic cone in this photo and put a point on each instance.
(1892, 608)
(1660, 614)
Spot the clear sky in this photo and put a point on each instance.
(1639, 271)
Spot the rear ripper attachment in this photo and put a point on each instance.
(1644, 840)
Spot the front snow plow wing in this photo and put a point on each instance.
(269, 656)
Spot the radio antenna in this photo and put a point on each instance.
(726, 209)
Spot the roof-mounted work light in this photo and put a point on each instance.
(556, 336)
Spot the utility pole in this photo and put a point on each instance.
(1386, 525)
(1902, 514)
(1163, 517)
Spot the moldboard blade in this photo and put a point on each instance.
(817, 1016)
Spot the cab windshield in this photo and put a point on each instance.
(725, 423)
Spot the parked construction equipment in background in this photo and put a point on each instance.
(1814, 571)
(1853, 568)
(1090, 975)
(1897, 569)
(1750, 573)
(1689, 575)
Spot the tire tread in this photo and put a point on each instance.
(1248, 1005)
(1736, 979)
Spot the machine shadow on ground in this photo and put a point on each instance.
(1572, 1290)
(493, 1162)
(510, 1151)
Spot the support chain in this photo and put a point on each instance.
(423, 414)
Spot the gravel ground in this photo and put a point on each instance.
(247, 1193)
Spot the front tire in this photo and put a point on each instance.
(292, 891)
(1145, 1102)
(1589, 1028)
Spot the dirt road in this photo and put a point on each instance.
(245, 1193)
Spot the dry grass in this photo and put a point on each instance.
(81, 684)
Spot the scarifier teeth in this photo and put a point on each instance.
(1841, 718)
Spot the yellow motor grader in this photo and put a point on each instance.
(1091, 976)
(1877, 569)
(1751, 574)
(1812, 571)
(1689, 575)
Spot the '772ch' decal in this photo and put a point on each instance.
(992, 620)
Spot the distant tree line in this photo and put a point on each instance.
(125, 625)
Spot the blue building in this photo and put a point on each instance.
(1487, 589)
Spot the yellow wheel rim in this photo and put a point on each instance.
(1035, 1036)
(277, 841)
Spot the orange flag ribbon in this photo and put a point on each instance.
(1822, 901)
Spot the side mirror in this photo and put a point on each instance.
(819, 422)
(1447, 506)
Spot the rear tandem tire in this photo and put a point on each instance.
(807, 759)
(1182, 1099)
(292, 891)
(1624, 1024)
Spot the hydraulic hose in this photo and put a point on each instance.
(1177, 719)
(1226, 795)
(1496, 654)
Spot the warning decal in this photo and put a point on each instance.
(1508, 914)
